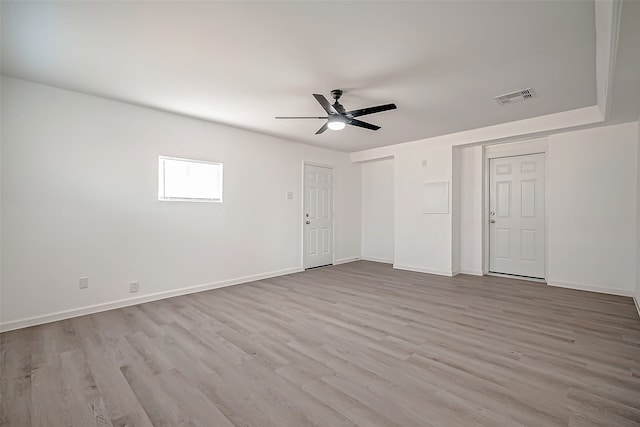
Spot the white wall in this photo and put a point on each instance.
(422, 241)
(79, 198)
(591, 208)
(377, 210)
(590, 197)
(471, 182)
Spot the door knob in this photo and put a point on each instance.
(492, 221)
(309, 222)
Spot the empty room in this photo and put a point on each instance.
(320, 213)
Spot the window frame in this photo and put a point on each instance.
(162, 179)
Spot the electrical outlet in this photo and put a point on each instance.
(83, 282)
(134, 287)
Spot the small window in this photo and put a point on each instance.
(189, 180)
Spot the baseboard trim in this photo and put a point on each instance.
(97, 308)
(589, 288)
(635, 300)
(345, 260)
(373, 259)
(472, 272)
(423, 270)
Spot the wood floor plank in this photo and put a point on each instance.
(15, 401)
(358, 344)
(86, 406)
(158, 404)
(47, 396)
(138, 418)
(114, 389)
(199, 410)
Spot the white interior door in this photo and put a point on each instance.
(318, 216)
(516, 217)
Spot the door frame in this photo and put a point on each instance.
(512, 149)
(333, 210)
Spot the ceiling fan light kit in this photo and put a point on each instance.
(337, 117)
(336, 123)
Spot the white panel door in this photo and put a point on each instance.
(516, 217)
(318, 216)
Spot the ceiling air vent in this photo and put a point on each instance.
(519, 95)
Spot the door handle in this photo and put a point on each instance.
(307, 222)
(492, 221)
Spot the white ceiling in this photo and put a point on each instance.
(242, 63)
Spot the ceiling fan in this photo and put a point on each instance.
(338, 117)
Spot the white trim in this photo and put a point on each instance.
(635, 301)
(423, 270)
(471, 272)
(515, 276)
(377, 159)
(320, 165)
(373, 259)
(96, 308)
(516, 148)
(590, 288)
(345, 260)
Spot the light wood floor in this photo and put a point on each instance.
(356, 344)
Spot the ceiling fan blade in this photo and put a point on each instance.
(359, 123)
(370, 110)
(325, 104)
(323, 128)
(301, 118)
